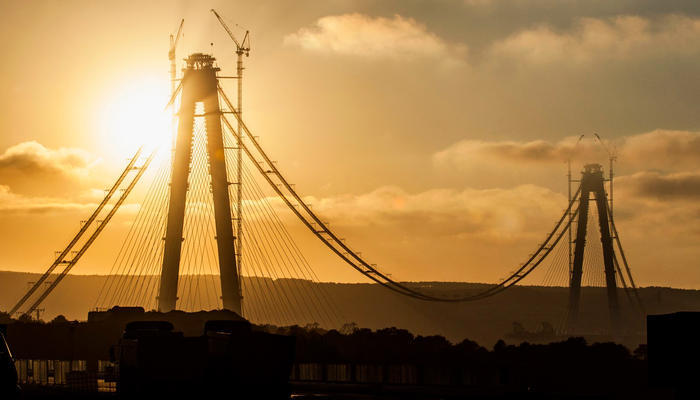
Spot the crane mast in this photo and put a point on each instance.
(242, 48)
(612, 157)
(174, 39)
(171, 55)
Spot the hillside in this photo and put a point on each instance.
(371, 306)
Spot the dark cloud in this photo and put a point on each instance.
(663, 149)
(480, 22)
(30, 168)
(34, 158)
(685, 185)
(537, 151)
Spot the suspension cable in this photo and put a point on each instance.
(83, 229)
(624, 262)
(95, 234)
(352, 258)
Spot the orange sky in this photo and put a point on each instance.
(432, 135)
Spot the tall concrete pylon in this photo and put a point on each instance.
(592, 181)
(199, 84)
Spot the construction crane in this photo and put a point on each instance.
(242, 47)
(171, 54)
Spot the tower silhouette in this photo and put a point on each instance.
(592, 181)
(199, 85)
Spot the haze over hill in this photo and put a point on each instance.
(371, 306)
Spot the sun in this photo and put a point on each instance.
(134, 115)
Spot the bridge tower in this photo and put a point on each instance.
(592, 181)
(199, 85)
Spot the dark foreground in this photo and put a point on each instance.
(321, 391)
(359, 364)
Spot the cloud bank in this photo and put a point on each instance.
(675, 186)
(13, 203)
(591, 39)
(488, 214)
(34, 158)
(375, 37)
(659, 149)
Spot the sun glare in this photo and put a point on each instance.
(134, 115)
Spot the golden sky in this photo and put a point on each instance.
(432, 134)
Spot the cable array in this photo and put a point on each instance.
(557, 270)
(135, 275)
(90, 223)
(131, 278)
(278, 283)
(285, 282)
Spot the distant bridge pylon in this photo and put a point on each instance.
(592, 183)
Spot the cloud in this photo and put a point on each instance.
(12, 203)
(375, 37)
(663, 149)
(537, 151)
(592, 39)
(34, 158)
(659, 149)
(477, 2)
(489, 214)
(684, 185)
